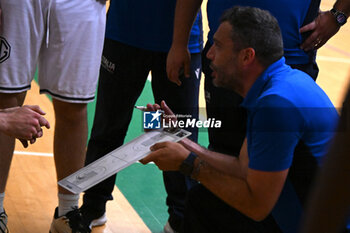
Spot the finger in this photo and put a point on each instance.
(184, 142)
(151, 157)
(44, 122)
(173, 70)
(150, 108)
(39, 134)
(156, 107)
(189, 145)
(30, 132)
(310, 42)
(145, 160)
(309, 27)
(166, 109)
(37, 126)
(36, 108)
(319, 45)
(32, 141)
(175, 77)
(158, 146)
(24, 142)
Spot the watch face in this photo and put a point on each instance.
(341, 19)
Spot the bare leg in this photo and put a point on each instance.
(70, 138)
(7, 143)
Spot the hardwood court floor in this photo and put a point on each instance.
(31, 190)
(31, 193)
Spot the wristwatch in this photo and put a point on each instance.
(186, 167)
(339, 16)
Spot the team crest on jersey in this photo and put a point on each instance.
(5, 49)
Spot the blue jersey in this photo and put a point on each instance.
(148, 25)
(287, 110)
(289, 13)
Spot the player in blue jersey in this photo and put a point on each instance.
(138, 38)
(264, 188)
(299, 51)
(291, 15)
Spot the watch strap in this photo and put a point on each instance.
(340, 17)
(186, 167)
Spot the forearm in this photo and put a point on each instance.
(233, 190)
(226, 164)
(185, 14)
(343, 6)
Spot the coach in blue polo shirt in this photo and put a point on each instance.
(264, 188)
(138, 38)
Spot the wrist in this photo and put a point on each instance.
(187, 165)
(339, 16)
(179, 44)
(198, 164)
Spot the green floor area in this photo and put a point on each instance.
(142, 185)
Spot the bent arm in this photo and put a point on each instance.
(255, 196)
(324, 26)
(226, 164)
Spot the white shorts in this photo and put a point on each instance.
(63, 38)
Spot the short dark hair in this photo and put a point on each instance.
(257, 29)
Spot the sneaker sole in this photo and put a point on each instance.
(99, 221)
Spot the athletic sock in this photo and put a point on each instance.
(67, 202)
(2, 196)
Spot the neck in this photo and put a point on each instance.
(251, 75)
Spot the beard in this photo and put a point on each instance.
(230, 81)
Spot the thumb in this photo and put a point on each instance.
(166, 108)
(158, 146)
(151, 157)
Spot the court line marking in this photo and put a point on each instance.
(33, 153)
(333, 59)
(44, 154)
(336, 49)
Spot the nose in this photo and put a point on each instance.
(211, 54)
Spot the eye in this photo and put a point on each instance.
(216, 44)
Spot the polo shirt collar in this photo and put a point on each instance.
(258, 87)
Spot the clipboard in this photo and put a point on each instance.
(119, 159)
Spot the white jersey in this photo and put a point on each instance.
(62, 38)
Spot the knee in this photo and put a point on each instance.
(69, 112)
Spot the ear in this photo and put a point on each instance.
(247, 56)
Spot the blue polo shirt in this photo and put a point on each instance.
(289, 13)
(148, 25)
(286, 107)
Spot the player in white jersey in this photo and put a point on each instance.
(63, 40)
